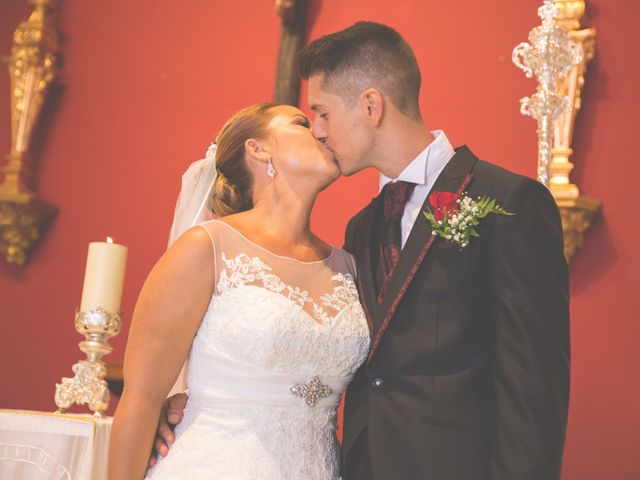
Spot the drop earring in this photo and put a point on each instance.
(270, 170)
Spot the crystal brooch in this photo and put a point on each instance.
(312, 392)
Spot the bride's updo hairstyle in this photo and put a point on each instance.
(232, 186)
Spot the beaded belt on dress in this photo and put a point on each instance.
(286, 391)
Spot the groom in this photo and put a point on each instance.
(468, 373)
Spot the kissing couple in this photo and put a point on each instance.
(445, 316)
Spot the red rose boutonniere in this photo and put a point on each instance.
(445, 204)
(455, 216)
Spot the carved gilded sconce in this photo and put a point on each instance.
(558, 54)
(577, 211)
(32, 68)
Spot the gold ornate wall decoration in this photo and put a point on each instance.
(557, 54)
(32, 68)
(578, 211)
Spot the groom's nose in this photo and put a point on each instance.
(318, 132)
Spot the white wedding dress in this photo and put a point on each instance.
(275, 350)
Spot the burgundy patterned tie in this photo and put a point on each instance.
(394, 198)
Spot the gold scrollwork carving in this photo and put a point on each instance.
(32, 68)
(21, 224)
(577, 216)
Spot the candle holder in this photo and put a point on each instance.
(88, 386)
(558, 54)
(549, 55)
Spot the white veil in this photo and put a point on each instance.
(194, 202)
(193, 207)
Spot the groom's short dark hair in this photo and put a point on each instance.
(366, 54)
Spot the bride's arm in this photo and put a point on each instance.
(170, 307)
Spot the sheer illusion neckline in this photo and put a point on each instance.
(284, 257)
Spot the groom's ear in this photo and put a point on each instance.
(373, 104)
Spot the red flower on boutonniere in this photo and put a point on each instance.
(444, 203)
(456, 216)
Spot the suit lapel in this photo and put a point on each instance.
(365, 257)
(454, 177)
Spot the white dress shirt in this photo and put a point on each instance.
(423, 171)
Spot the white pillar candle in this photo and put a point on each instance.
(104, 277)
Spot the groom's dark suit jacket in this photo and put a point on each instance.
(468, 373)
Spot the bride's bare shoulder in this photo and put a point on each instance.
(184, 271)
(192, 247)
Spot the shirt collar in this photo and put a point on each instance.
(429, 161)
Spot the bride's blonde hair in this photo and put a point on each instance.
(232, 187)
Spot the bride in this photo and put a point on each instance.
(267, 313)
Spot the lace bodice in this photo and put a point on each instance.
(275, 350)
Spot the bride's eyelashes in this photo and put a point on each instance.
(305, 123)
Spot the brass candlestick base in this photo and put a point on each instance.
(88, 385)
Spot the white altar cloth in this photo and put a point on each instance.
(40, 445)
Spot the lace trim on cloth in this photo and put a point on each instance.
(245, 270)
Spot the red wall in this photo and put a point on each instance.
(145, 86)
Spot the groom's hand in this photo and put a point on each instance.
(170, 415)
